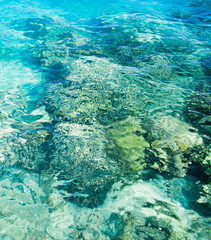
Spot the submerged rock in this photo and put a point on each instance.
(200, 159)
(168, 145)
(85, 94)
(139, 212)
(203, 203)
(35, 28)
(159, 67)
(206, 163)
(170, 139)
(52, 45)
(71, 153)
(175, 134)
(127, 145)
(199, 111)
(56, 47)
(27, 150)
(96, 90)
(77, 155)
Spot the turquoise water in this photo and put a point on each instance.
(105, 120)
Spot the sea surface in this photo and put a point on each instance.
(105, 119)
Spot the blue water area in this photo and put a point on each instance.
(105, 120)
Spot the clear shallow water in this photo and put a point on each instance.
(105, 120)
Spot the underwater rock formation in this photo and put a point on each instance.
(95, 90)
(202, 164)
(71, 153)
(77, 154)
(170, 139)
(90, 141)
(204, 201)
(149, 215)
(127, 145)
(35, 28)
(199, 111)
(127, 226)
(168, 145)
(26, 149)
(55, 49)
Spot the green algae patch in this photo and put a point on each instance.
(127, 144)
